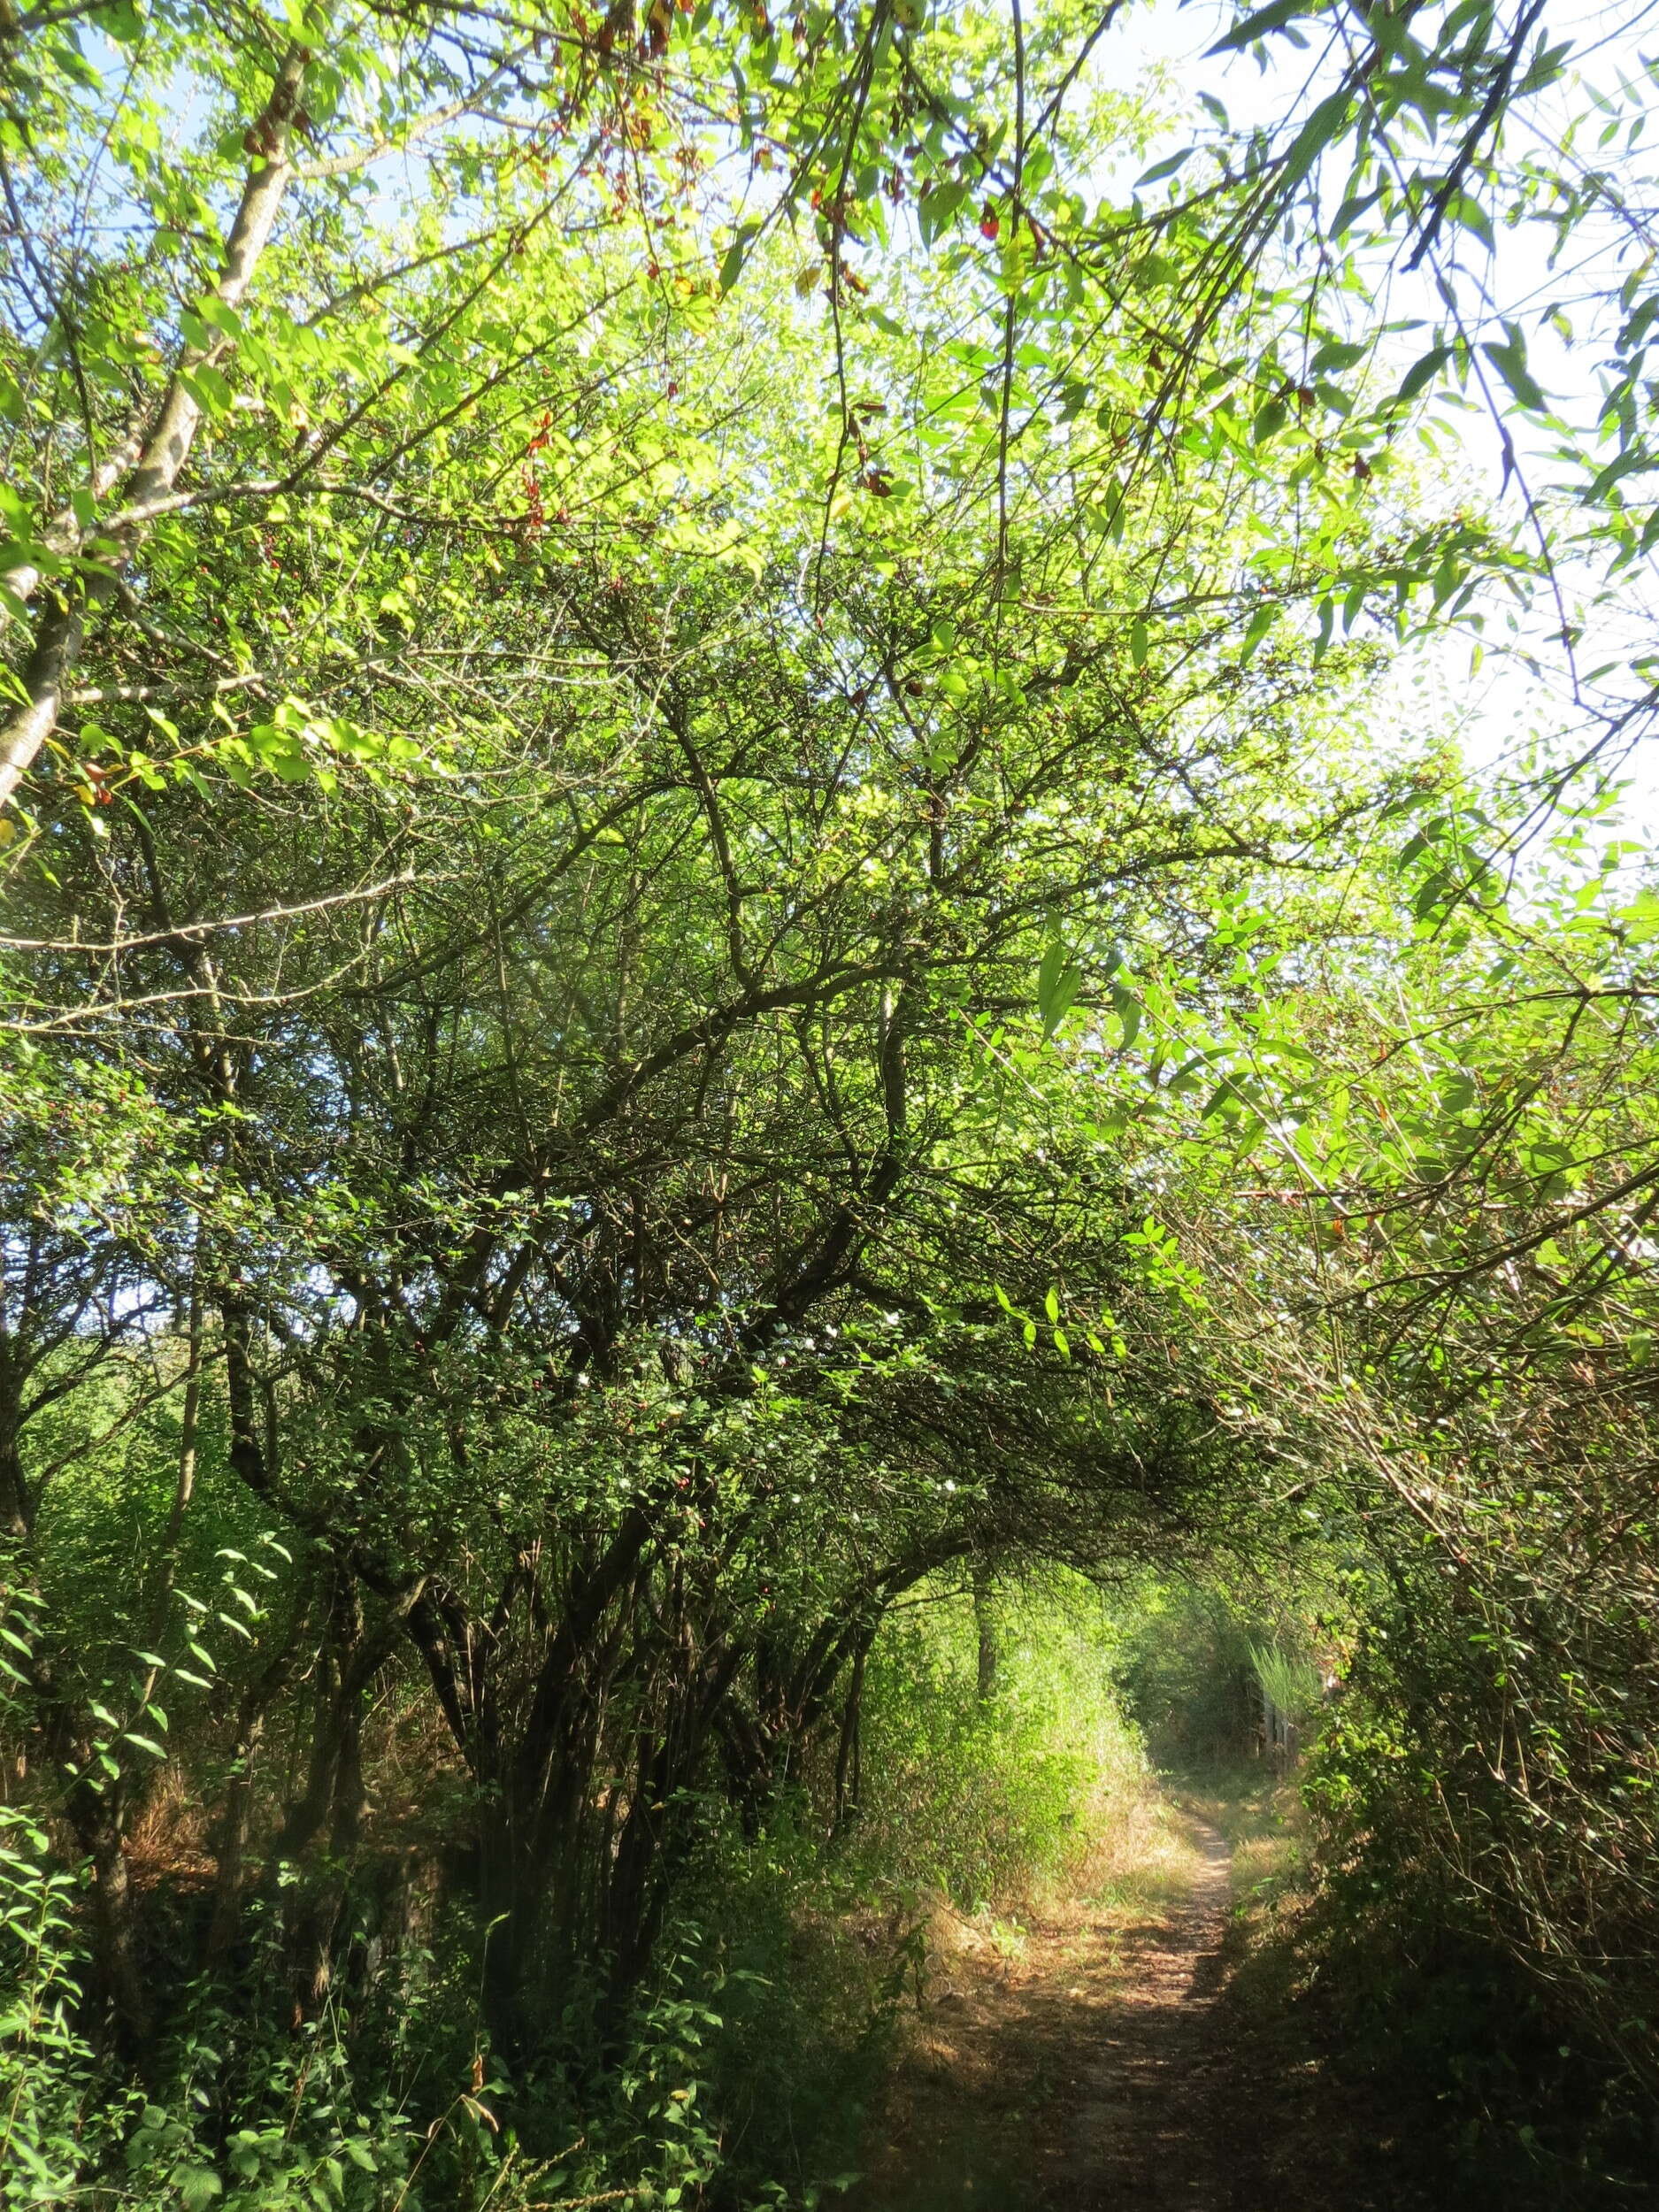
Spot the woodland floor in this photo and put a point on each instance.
(1124, 2049)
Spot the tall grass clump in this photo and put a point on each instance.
(1288, 1679)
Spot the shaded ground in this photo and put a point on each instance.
(1100, 2056)
(1144, 2126)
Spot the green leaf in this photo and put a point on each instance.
(937, 209)
(1509, 360)
(1421, 373)
(1058, 982)
(1638, 458)
(207, 387)
(1260, 622)
(1350, 212)
(1338, 353)
(1468, 212)
(220, 315)
(736, 254)
(1320, 130)
(1276, 17)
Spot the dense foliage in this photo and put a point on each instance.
(742, 923)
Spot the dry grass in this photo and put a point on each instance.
(996, 2098)
(992, 2043)
(1143, 1859)
(167, 1837)
(1261, 1815)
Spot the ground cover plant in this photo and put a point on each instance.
(770, 1072)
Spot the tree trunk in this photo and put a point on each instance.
(230, 1846)
(985, 1626)
(335, 1795)
(118, 1977)
(850, 1756)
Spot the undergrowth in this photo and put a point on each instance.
(745, 2067)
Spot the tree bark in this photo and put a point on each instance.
(120, 1980)
(985, 1628)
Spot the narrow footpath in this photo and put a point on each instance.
(1105, 2055)
(1146, 2125)
(1069, 2062)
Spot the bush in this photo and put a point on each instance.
(1485, 1922)
(740, 2070)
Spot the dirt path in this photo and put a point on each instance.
(1147, 2124)
(1071, 2063)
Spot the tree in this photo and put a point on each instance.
(622, 1087)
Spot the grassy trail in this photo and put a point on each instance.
(1132, 2044)
(1147, 2119)
(1071, 2058)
